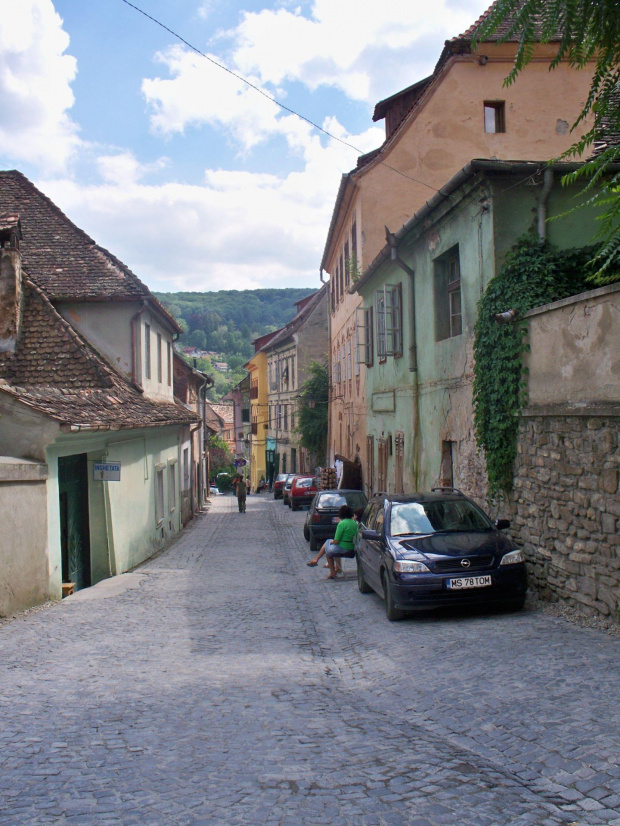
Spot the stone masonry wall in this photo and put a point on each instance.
(567, 505)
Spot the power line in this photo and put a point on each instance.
(268, 96)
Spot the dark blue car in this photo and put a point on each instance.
(436, 549)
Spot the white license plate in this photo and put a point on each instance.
(469, 582)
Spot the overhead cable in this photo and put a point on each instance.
(268, 96)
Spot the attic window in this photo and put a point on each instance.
(494, 116)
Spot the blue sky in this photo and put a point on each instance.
(191, 178)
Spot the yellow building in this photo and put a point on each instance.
(257, 368)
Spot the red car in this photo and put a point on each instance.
(278, 485)
(302, 492)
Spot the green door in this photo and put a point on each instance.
(74, 527)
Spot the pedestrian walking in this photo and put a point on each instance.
(241, 490)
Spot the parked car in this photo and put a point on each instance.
(286, 490)
(302, 491)
(278, 485)
(322, 517)
(435, 549)
(214, 490)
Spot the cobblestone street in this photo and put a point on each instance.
(224, 682)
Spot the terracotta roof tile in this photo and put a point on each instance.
(56, 372)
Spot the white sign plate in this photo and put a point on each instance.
(107, 472)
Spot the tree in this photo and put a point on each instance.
(220, 457)
(313, 399)
(586, 30)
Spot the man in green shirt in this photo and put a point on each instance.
(343, 543)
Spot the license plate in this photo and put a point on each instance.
(469, 582)
(335, 520)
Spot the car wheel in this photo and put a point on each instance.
(393, 613)
(293, 505)
(306, 533)
(314, 545)
(363, 586)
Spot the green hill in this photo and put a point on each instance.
(224, 323)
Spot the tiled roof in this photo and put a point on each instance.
(56, 372)
(226, 412)
(61, 258)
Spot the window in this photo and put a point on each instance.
(159, 493)
(147, 350)
(494, 116)
(159, 365)
(448, 316)
(389, 309)
(279, 422)
(172, 487)
(169, 350)
(293, 460)
(285, 406)
(349, 366)
(185, 468)
(347, 264)
(292, 372)
(364, 335)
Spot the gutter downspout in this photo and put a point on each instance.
(328, 304)
(542, 203)
(413, 353)
(204, 465)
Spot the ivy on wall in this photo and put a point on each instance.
(533, 274)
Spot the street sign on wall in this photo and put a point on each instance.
(107, 472)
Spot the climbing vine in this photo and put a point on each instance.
(534, 273)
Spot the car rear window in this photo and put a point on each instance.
(303, 483)
(354, 499)
(434, 517)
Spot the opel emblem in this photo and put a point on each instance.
(465, 563)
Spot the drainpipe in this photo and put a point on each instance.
(328, 304)
(134, 371)
(413, 353)
(542, 203)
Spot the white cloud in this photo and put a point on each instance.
(237, 230)
(339, 45)
(366, 56)
(35, 85)
(124, 168)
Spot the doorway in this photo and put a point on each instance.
(74, 523)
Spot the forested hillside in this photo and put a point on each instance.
(223, 324)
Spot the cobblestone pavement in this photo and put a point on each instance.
(224, 682)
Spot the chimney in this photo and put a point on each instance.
(10, 281)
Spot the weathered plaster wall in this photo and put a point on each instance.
(575, 349)
(107, 326)
(24, 580)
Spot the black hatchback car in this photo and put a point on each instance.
(430, 550)
(322, 519)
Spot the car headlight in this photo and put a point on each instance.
(512, 558)
(406, 566)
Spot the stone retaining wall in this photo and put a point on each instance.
(567, 505)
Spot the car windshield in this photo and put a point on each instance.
(409, 518)
(355, 499)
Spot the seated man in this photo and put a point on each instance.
(343, 543)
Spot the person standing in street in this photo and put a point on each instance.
(241, 490)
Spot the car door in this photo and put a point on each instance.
(374, 550)
(367, 522)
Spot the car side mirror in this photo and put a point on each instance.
(502, 524)
(372, 535)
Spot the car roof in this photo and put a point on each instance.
(439, 495)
